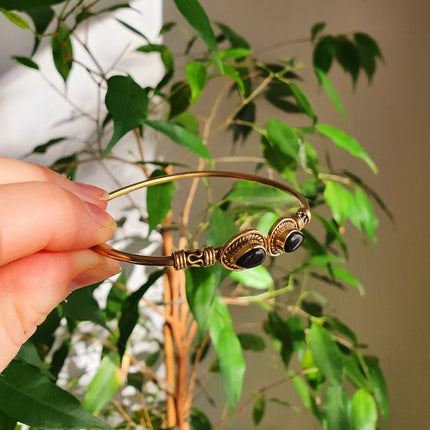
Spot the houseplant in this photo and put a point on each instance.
(321, 355)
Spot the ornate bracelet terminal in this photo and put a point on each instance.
(244, 250)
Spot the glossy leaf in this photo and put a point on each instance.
(104, 384)
(379, 386)
(62, 52)
(41, 16)
(130, 311)
(27, 62)
(235, 76)
(313, 375)
(41, 149)
(283, 138)
(6, 423)
(363, 411)
(24, 5)
(127, 103)
(15, 19)
(333, 231)
(323, 53)
(353, 372)
(279, 331)
(362, 216)
(315, 29)
(199, 420)
(197, 18)
(134, 30)
(347, 143)
(181, 136)
(201, 285)
(59, 357)
(266, 221)
(166, 27)
(196, 76)
(229, 352)
(246, 114)
(33, 399)
(179, 98)
(325, 353)
(297, 335)
(158, 200)
(257, 277)
(333, 324)
(221, 228)
(187, 121)
(347, 55)
(259, 409)
(251, 342)
(302, 101)
(234, 53)
(339, 201)
(28, 354)
(346, 276)
(368, 51)
(326, 84)
(116, 297)
(307, 398)
(335, 408)
(86, 13)
(82, 306)
(236, 41)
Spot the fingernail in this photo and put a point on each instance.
(92, 192)
(100, 215)
(97, 274)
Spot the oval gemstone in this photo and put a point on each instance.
(252, 258)
(293, 241)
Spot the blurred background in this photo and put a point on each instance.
(390, 119)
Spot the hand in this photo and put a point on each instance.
(47, 226)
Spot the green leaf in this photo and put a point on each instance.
(82, 306)
(127, 103)
(62, 52)
(363, 411)
(42, 16)
(379, 386)
(134, 30)
(326, 84)
(179, 98)
(258, 409)
(335, 408)
(257, 277)
(297, 335)
(353, 371)
(307, 398)
(24, 5)
(199, 421)
(333, 324)
(251, 342)
(266, 221)
(27, 62)
(235, 53)
(346, 276)
(196, 75)
(201, 285)
(6, 423)
(368, 51)
(115, 299)
(229, 352)
(362, 215)
(236, 41)
(323, 53)
(28, 354)
(325, 353)
(187, 121)
(333, 231)
(316, 28)
(104, 384)
(339, 201)
(130, 311)
(283, 138)
(41, 149)
(197, 18)
(302, 101)
(32, 398)
(347, 55)
(279, 331)
(181, 136)
(347, 143)
(158, 200)
(313, 375)
(221, 228)
(235, 76)
(59, 357)
(166, 27)
(15, 19)
(86, 13)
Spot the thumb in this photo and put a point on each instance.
(32, 286)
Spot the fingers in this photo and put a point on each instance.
(15, 171)
(38, 216)
(31, 287)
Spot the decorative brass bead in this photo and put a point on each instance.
(194, 258)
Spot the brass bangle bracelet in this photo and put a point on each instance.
(244, 250)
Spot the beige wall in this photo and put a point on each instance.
(390, 119)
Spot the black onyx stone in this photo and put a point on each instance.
(252, 258)
(293, 241)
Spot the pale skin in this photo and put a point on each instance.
(48, 225)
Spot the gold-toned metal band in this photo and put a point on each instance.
(244, 250)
